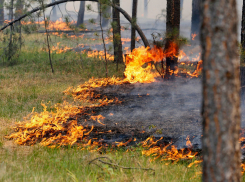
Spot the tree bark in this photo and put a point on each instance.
(195, 21)
(243, 32)
(117, 42)
(134, 17)
(221, 92)
(80, 18)
(172, 34)
(1, 12)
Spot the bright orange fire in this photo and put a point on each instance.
(60, 127)
(140, 64)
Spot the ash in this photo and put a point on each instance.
(169, 109)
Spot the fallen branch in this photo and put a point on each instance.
(113, 165)
(125, 14)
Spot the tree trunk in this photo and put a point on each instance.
(145, 8)
(11, 10)
(1, 12)
(221, 92)
(181, 8)
(172, 34)
(117, 43)
(195, 21)
(19, 7)
(80, 18)
(54, 13)
(134, 17)
(106, 14)
(243, 32)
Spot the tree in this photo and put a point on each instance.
(243, 31)
(117, 42)
(221, 87)
(195, 21)
(1, 12)
(54, 13)
(181, 7)
(80, 18)
(106, 13)
(172, 34)
(19, 8)
(145, 9)
(134, 17)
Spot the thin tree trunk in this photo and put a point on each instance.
(47, 38)
(181, 8)
(10, 47)
(54, 13)
(80, 18)
(19, 8)
(102, 35)
(145, 8)
(243, 32)
(117, 42)
(195, 21)
(1, 12)
(134, 17)
(221, 92)
(106, 14)
(172, 33)
(18, 12)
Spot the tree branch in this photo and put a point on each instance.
(113, 165)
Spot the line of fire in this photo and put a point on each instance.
(156, 103)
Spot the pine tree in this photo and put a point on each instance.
(117, 43)
(172, 34)
(221, 92)
(80, 18)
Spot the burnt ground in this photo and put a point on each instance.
(169, 109)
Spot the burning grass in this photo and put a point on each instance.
(59, 126)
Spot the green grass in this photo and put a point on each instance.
(29, 82)
(71, 164)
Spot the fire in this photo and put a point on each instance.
(98, 118)
(58, 49)
(56, 128)
(134, 71)
(193, 36)
(61, 127)
(188, 142)
(140, 64)
(168, 152)
(100, 55)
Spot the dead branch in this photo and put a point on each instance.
(113, 165)
(125, 14)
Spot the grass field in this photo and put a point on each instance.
(29, 82)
